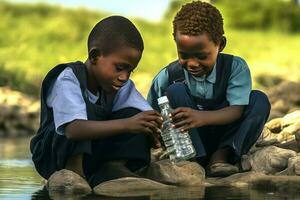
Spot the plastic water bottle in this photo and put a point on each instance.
(178, 145)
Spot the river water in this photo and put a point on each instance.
(19, 180)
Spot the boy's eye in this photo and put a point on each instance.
(119, 68)
(201, 56)
(184, 56)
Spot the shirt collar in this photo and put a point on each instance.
(210, 78)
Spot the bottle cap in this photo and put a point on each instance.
(162, 100)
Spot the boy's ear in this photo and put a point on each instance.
(93, 54)
(222, 43)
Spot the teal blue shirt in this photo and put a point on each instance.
(238, 90)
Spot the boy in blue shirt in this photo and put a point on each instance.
(93, 120)
(210, 91)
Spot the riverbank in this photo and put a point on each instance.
(19, 114)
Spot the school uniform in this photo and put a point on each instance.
(228, 84)
(65, 98)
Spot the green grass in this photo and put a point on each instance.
(34, 38)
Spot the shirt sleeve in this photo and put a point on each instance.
(158, 88)
(239, 85)
(66, 100)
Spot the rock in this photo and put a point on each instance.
(292, 145)
(236, 180)
(19, 114)
(293, 128)
(184, 173)
(158, 154)
(293, 167)
(275, 125)
(270, 160)
(266, 138)
(285, 139)
(280, 106)
(297, 138)
(245, 163)
(269, 142)
(284, 97)
(129, 186)
(291, 118)
(67, 182)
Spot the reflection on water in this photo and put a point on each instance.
(18, 180)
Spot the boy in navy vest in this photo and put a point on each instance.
(93, 120)
(210, 91)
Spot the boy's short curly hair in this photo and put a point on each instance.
(112, 32)
(198, 17)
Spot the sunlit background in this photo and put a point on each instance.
(36, 35)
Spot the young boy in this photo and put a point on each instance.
(210, 91)
(91, 114)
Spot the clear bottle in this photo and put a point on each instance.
(178, 145)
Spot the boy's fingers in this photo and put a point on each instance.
(151, 126)
(180, 124)
(156, 141)
(178, 116)
(150, 118)
(177, 110)
(158, 120)
(152, 112)
(184, 128)
(147, 131)
(157, 144)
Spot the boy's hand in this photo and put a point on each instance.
(186, 118)
(148, 122)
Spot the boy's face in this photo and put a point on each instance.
(197, 54)
(113, 70)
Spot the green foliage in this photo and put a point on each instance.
(263, 15)
(35, 38)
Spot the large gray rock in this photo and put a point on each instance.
(67, 182)
(184, 173)
(236, 180)
(19, 114)
(158, 154)
(286, 138)
(267, 138)
(291, 118)
(293, 167)
(275, 125)
(270, 160)
(284, 98)
(129, 186)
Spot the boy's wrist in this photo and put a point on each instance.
(204, 118)
(124, 125)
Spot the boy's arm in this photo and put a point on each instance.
(139, 123)
(187, 118)
(70, 116)
(157, 89)
(237, 94)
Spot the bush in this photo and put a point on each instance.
(263, 15)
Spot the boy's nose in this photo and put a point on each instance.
(124, 76)
(192, 63)
(189, 61)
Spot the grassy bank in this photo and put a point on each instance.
(34, 38)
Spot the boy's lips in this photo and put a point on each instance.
(196, 72)
(116, 87)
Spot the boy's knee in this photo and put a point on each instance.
(260, 102)
(176, 89)
(125, 113)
